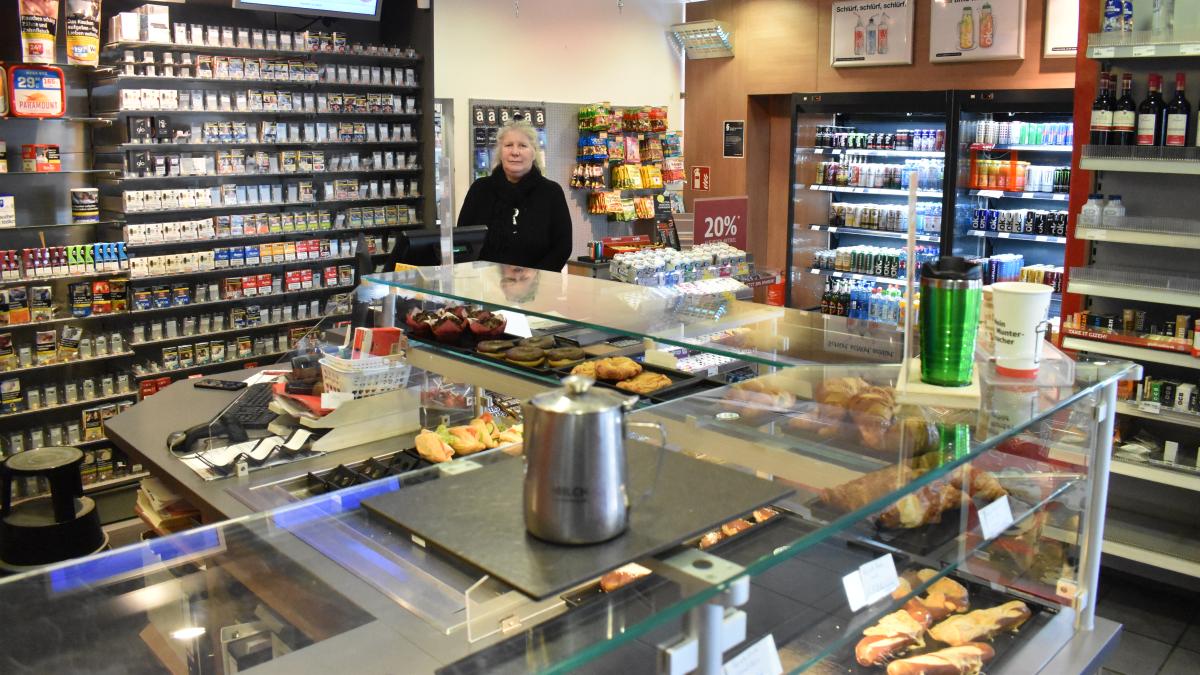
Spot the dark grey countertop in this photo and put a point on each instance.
(142, 430)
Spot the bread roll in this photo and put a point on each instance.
(982, 624)
(894, 634)
(966, 659)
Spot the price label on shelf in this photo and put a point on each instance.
(870, 582)
(995, 518)
(1152, 407)
(1189, 50)
(1104, 52)
(831, 229)
(1145, 50)
(990, 193)
(1044, 238)
(1002, 235)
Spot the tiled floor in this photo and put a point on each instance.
(1162, 626)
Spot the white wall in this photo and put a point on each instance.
(565, 51)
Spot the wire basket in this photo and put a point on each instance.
(364, 377)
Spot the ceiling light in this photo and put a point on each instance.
(189, 633)
(703, 39)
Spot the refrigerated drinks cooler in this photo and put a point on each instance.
(854, 156)
(1012, 181)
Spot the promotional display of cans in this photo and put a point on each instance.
(1020, 221)
(925, 140)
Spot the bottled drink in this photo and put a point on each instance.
(1150, 114)
(1127, 16)
(1178, 115)
(1113, 211)
(1113, 9)
(1102, 111)
(1124, 129)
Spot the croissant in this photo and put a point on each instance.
(922, 507)
(838, 391)
(981, 623)
(980, 483)
(866, 488)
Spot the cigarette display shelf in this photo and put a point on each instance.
(1160, 356)
(52, 226)
(63, 364)
(112, 51)
(23, 174)
(235, 270)
(231, 301)
(61, 277)
(212, 367)
(238, 176)
(242, 329)
(1168, 416)
(295, 84)
(70, 119)
(274, 236)
(1040, 238)
(307, 114)
(128, 395)
(837, 229)
(224, 208)
(60, 320)
(121, 147)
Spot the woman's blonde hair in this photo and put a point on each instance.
(523, 127)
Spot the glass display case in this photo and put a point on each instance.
(981, 527)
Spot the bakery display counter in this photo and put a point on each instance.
(898, 537)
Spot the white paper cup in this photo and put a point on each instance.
(1020, 322)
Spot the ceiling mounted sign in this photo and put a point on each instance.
(976, 30)
(871, 33)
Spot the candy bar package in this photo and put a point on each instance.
(45, 347)
(68, 343)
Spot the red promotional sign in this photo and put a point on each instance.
(700, 179)
(721, 219)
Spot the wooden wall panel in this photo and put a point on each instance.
(782, 47)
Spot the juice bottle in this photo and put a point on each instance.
(986, 26)
(966, 29)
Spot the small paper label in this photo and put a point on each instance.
(517, 324)
(330, 400)
(760, 658)
(1145, 50)
(995, 518)
(870, 582)
(832, 229)
(990, 193)
(1153, 407)
(1002, 235)
(1104, 52)
(1189, 50)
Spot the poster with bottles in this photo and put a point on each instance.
(976, 30)
(871, 33)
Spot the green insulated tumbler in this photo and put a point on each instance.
(951, 290)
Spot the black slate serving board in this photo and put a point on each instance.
(478, 517)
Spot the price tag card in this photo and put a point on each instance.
(995, 518)
(990, 193)
(1145, 50)
(1153, 407)
(1189, 50)
(1002, 235)
(1104, 52)
(870, 582)
(760, 658)
(832, 229)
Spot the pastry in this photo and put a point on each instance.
(530, 357)
(494, 348)
(764, 514)
(867, 488)
(464, 440)
(735, 526)
(979, 483)
(710, 539)
(894, 634)
(754, 400)
(945, 596)
(564, 356)
(922, 507)
(541, 342)
(621, 576)
(586, 369)
(981, 624)
(967, 659)
(836, 392)
(617, 368)
(644, 383)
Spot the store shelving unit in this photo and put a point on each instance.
(1142, 263)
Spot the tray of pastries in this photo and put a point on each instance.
(631, 376)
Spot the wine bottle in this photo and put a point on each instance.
(1102, 112)
(1125, 116)
(1150, 114)
(1178, 115)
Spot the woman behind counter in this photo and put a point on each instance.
(528, 222)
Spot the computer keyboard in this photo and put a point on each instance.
(250, 411)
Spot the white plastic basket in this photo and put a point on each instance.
(364, 377)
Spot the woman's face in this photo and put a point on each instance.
(516, 154)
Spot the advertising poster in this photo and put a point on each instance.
(976, 30)
(1062, 28)
(871, 33)
(734, 134)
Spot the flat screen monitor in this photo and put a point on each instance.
(468, 242)
(345, 9)
(424, 247)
